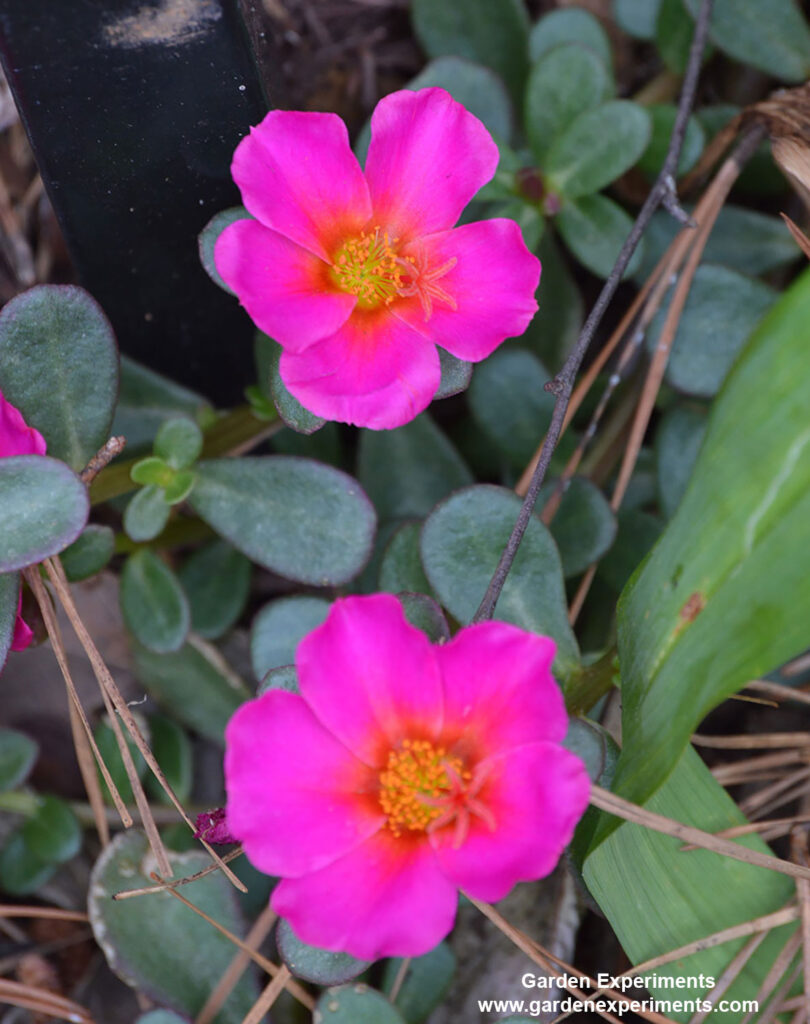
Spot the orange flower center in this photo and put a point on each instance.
(367, 266)
(413, 783)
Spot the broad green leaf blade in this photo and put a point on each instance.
(153, 604)
(89, 553)
(316, 965)
(564, 83)
(43, 507)
(195, 685)
(356, 1004)
(207, 239)
(773, 37)
(159, 947)
(17, 756)
(279, 628)
(109, 750)
(299, 518)
(407, 471)
(59, 366)
(490, 34)
(674, 30)
(9, 599)
(509, 402)
(722, 310)
(584, 526)
(658, 897)
(598, 147)
(594, 229)
(569, 25)
(461, 544)
(724, 596)
(216, 579)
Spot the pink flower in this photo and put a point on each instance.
(359, 276)
(17, 438)
(402, 773)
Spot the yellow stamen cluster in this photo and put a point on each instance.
(416, 773)
(367, 266)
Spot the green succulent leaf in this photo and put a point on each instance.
(356, 1004)
(316, 965)
(18, 753)
(462, 541)
(52, 833)
(598, 147)
(44, 508)
(179, 442)
(407, 471)
(207, 239)
(216, 579)
(299, 518)
(59, 366)
(279, 627)
(9, 599)
(89, 553)
(594, 229)
(584, 526)
(146, 513)
(153, 604)
(564, 83)
(493, 35)
(569, 25)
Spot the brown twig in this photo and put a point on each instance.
(102, 458)
(237, 967)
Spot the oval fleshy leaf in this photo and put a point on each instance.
(570, 25)
(316, 965)
(401, 566)
(462, 542)
(299, 518)
(563, 84)
(594, 229)
(9, 600)
(427, 979)
(153, 604)
(195, 685)
(17, 756)
(216, 579)
(584, 526)
(89, 553)
(356, 1004)
(407, 471)
(59, 366)
(44, 507)
(598, 147)
(207, 239)
(159, 947)
(280, 626)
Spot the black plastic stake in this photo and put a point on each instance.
(133, 109)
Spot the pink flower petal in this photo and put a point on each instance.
(297, 798)
(283, 287)
(371, 677)
(23, 634)
(492, 286)
(385, 898)
(16, 437)
(499, 692)
(536, 795)
(374, 372)
(298, 175)
(427, 158)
